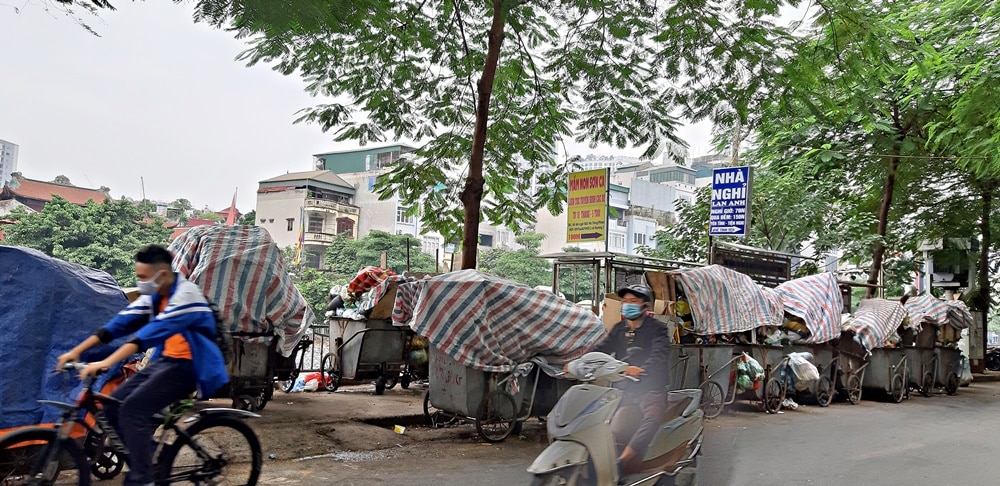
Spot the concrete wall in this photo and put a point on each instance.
(275, 208)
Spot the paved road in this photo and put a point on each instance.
(936, 440)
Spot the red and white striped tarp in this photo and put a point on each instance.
(959, 316)
(491, 324)
(724, 301)
(876, 320)
(818, 301)
(240, 269)
(926, 308)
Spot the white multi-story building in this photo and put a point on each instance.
(319, 204)
(361, 169)
(8, 161)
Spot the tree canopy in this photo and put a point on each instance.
(105, 236)
(489, 89)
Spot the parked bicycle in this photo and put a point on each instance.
(213, 446)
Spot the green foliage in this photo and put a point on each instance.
(521, 265)
(346, 256)
(181, 204)
(605, 72)
(104, 235)
(249, 219)
(209, 214)
(313, 284)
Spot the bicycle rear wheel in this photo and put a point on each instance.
(22, 459)
(216, 450)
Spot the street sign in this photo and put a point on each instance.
(587, 208)
(730, 212)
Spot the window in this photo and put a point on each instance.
(430, 245)
(291, 222)
(386, 159)
(401, 216)
(316, 222)
(639, 239)
(486, 240)
(617, 240)
(345, 225)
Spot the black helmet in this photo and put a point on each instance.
(639, 291)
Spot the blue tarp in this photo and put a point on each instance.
(47, 306)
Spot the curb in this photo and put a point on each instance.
(985, 377)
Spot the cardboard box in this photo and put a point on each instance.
(383, 309)
(613, 309)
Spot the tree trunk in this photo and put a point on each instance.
(472, 194)
(878, 253)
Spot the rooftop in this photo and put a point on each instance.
(43, 191)
(326, 176)
(402, 147)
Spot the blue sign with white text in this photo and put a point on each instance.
(730, 212)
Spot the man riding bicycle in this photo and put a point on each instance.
(173, 317)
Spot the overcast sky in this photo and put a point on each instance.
(157, 98)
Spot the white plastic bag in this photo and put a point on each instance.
(805, 372)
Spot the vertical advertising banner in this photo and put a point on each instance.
(587, 208)
(730, 212)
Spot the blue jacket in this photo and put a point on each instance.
(187, 313)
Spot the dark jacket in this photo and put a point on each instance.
(654, 339)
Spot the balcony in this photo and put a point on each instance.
(318, 238)
(325, 205)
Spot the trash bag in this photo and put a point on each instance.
(965, 378)
(756, 371)
(805, 372)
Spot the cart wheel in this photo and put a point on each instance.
(404, 380)
(289, 384)
(824, 392)
(854, 389)
(497, 416)
(261, 401)
(713, 398)
(897, 389)
(329, 376)
(927, 384)
(951, 387)
(773, 395)
(245, 402)
(431, 414)
(390, 381)
(380, 385)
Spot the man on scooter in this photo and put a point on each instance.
(645, 400)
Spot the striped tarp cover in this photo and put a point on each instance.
(876, 320)
(240, 269)
(491, 324)
(818, 301)
(724, 301)
(959, 316)
(926, 308)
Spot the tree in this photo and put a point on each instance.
(182, 204)
(487, 89)
(249, 219)
(687, 239)
(346, 256)
(209, 214)
(313, 284)
(522, 265)
(105, 236)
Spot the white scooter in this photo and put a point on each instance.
(583, 451)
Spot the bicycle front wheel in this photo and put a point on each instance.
(23, 461)
(215, 450)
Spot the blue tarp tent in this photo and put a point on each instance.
(47, 306)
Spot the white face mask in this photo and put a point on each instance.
(151, 286)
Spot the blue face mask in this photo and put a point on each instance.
(632, 311)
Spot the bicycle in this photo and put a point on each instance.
(216, 446)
